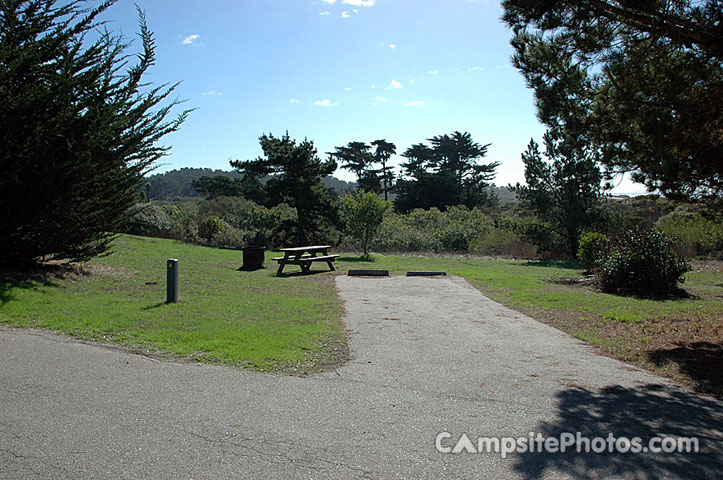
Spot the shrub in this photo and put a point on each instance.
(593, 246)
(503, 242)
(642, 262)
(697, 235)
(363, 213)
(432, 230)
(185, 223)
(150, 220)
(212, 227)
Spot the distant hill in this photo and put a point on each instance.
(178, 183)
(505, 195)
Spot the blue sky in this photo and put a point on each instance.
(334, 72)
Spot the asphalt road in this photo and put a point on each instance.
(428, 356)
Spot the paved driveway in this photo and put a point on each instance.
(428, 356)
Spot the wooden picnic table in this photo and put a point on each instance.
(305, 256)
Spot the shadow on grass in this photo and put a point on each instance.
(299, 273)
(701, 361)
(41, 276)
(646, 412)
(359, 259)
(154, 306)
(554, 264)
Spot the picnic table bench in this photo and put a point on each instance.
(305, 256)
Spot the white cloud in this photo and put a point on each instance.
(293, 100)
(359, 3)
(212, 93)
(374, 86)
(475, 69)
(348, 89)
(355, 10)
(326, 103)
(395, 85)
(324, 13)
(345, 15)
(380, 99)
(330, 2)
(414, 103)
(191, 39)
(433, 72)
(392, 46)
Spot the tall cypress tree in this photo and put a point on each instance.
(77, 132)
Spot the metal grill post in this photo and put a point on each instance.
(172, 281)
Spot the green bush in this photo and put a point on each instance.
(697, 235)
(593, 246)
(150, 220)
(211, 227)
(642, 262)
(503, 242)
(432, 230)
(363, 213)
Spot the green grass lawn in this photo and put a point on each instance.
(250, 319)
(293, 323)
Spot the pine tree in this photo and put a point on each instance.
(77, 132)
(295, 172)
(566, 190)
(642, 81)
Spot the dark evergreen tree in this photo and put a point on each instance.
(383, 151)
(444, 174)
(641, 81)
(358, 159)
(77, 133)
(295, 175)
(566, 190)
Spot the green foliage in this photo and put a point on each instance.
(362, 214)
(151, 220)
(444, 174)
(642, 262)
(501, 242)
(358, 158)
(295, 172)
(640, 82)
(77, 133)
(565, 191)
(432, 230)
(212, 227)
(697, 233)
(593, 246)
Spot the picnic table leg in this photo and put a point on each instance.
(331, 265)
(282, 264)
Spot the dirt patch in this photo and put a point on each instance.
(687, 349)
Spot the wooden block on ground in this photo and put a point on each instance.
(425, 274)
(369, 273)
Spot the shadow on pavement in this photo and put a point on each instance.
(647, 411)
(702, 361)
